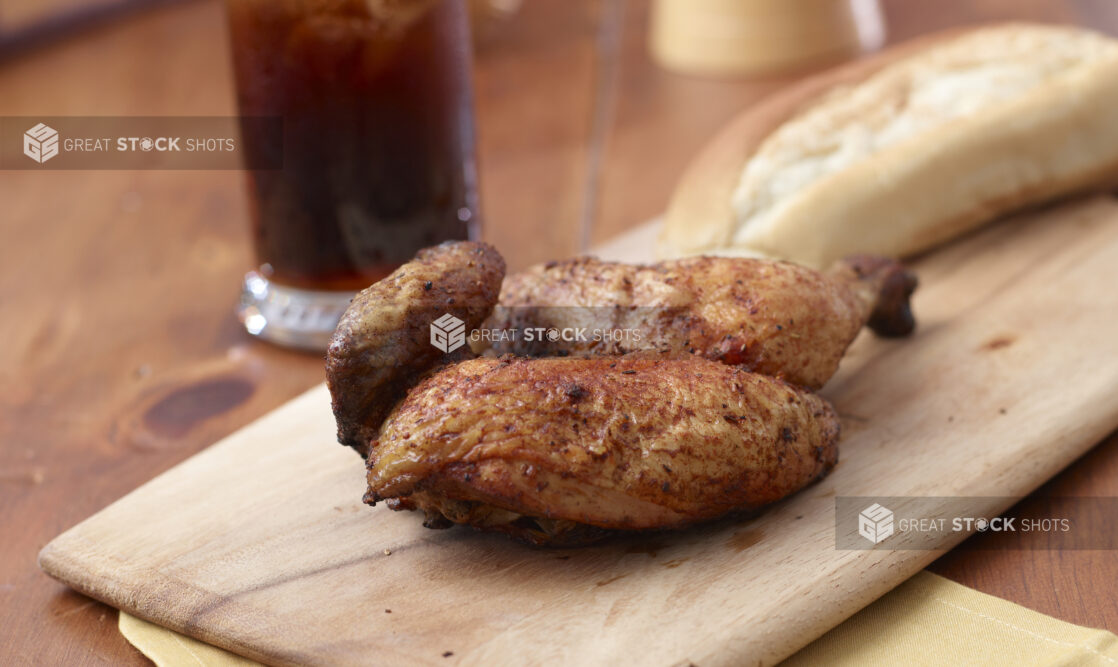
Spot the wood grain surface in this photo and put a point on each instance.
(302, 573)
(121, 356)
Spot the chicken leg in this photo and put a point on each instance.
(776, 318)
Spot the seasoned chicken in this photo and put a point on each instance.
(381, 346)
(656, 431)
(774, 318)
(553, 450)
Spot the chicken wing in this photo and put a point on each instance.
(381, 347)
(554, 450)
(774, 318)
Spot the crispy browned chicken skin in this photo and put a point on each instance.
(775, 318)
(563, 450)
(381, 346)
(533, 447)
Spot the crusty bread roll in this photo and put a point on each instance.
(902, 151)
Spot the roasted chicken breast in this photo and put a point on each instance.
(381, 346)
(539, 447)
(774, 318)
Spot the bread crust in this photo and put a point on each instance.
(1057, 139)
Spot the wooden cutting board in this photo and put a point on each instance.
(261, 545)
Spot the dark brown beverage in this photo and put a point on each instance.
(378, 133)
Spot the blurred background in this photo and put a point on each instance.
(580, 134)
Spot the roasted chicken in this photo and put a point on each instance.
(381, 346)
(708, 413)
(775, 318)
(539, 448)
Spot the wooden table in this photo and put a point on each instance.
(121, 356)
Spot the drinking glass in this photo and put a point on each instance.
(377, 149)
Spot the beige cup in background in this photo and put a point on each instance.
(736, 37)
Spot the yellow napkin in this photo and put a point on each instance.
(928, 620)
(170, 649)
